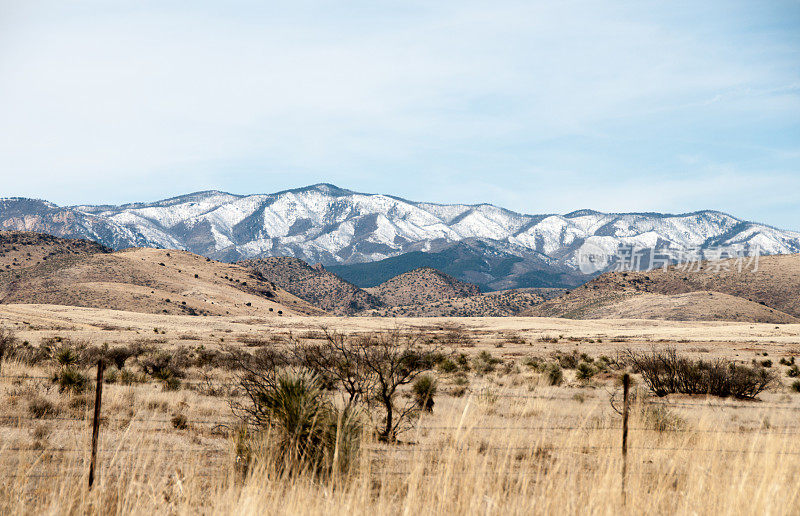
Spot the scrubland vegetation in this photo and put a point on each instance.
(444, 418)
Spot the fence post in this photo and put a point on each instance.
(626, 382)
(98, 399)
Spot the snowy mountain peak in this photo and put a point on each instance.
(326, 224)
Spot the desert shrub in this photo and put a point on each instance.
(533, 362)
(40, 432)
(584, 371)
(458, 391)
(8, 341)
(71, 380)
(66, 356)
(369, 370)
(547, 338)
(40, 407)
(484, 362)
(111, 376)
(661, 419)
(514, 338)
(766, 363)
(179, 422)
(567, 360)
(459, 338)
(120, 354)
(90, 355)
(785, 361)
(461, 379)
(796, 386)
(253, 342)
(160, 365)
(424, 389)
(665, 372)
(128, 377)
(30, 355)
(306, 431)
(604, 363)
(447, 366)
(171, 384)
(555, 376)
(793, 372)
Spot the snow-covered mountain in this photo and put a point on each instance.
(327, 224)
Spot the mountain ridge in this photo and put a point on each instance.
(326, 224)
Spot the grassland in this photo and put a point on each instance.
(501, 438)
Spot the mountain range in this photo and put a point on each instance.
(483, 244)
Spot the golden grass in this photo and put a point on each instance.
(491, 453)
(510, 445)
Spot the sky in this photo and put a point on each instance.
(539, 107)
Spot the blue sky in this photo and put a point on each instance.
(535, 106)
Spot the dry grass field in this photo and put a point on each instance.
(503, 437)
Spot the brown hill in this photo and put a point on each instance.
(21, 249)
(421, 286)
(316, 285)
(770, 293)
(150, 281)
(491, 304)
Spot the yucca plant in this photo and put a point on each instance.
(305, 432)
(71, 380)
(65, 356)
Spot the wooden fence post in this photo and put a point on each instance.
(98, 399)
(626, 382)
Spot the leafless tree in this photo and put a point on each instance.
(339, 363)
(257, 374)
(370, 369)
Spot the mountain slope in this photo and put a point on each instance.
(491, 265)
(326, 224)
(314, 284)
(767, 294)
(424, 285)
(21, 249)
(150, 281)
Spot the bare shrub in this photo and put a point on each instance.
(661, 419)
(30, 355)
(40, 407)
(8, 341)
(666, 372)
(160, 365)
(484, 362)
(337, 363)
(252, 341)
(369, 370)
(567, 360)
(120, 354)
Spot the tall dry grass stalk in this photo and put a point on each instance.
(468, 461)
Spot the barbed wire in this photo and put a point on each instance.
(113, 450)
(104, 419)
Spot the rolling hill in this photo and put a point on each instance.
(720, 291)
(420, 286)
(150, 281)
(491, 304)
(314, 284)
